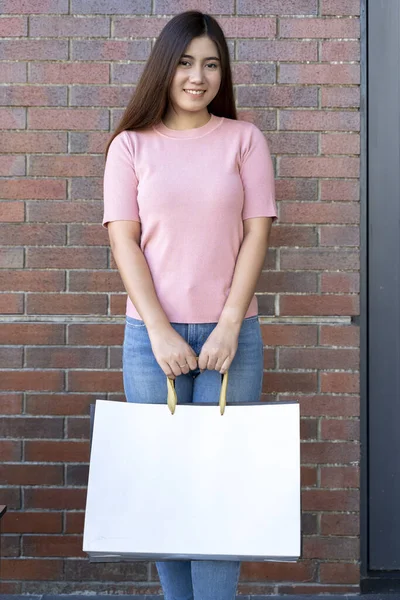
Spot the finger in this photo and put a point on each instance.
(221, 360)
(212, 361)
(203, 360)
(167, 370)
(175, 368)
(225, 365)
(184, 367)
(192, 362)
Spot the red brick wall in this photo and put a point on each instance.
(69, 72)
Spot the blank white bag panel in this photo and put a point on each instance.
(194, 484)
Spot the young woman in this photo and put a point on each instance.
(189, 202)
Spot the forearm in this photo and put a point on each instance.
(248, 268)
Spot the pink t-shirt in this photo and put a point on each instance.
(190, 190)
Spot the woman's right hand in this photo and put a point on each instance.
(172, 353)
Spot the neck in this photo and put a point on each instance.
(174, 120)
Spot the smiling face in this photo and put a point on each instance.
(197, 77)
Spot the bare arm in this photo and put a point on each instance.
(220, 348)
(170, 349)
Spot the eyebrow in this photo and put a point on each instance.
(208, 57)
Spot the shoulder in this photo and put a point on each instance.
(244, 132)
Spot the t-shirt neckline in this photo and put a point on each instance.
(195, 132)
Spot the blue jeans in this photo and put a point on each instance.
(145, 382)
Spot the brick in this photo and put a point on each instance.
(94, 142)
(97, 335)
(12, 211)
(78, 428)
(317, 589)
(278, 7)
(31, 333)
(11, 72)
(318, 358)
(260, 572)
(138, 27)
(319, 28)
(66, 304)
(69, 26)
(336, 283)
(110, 50)
(31, 569)
(116, 358)
(10, 357)
(319, 120)
(64, 357)
(331, 548)
(276, 50)
(11, 303)
(23, 474)
(12, 165)
(329, 304)
(339, 236)
(95, 281)
(338, 383)
(319, 74)
(329, 453)
(40, 6)
(259, 96)
(293, 143)
(242, 27)
(266, 304)
(10, 545)
(340, 51)
(296, 189)
(32, 380)
(122, 7)
(340, 477)
(333, 406)
(336, 335)
(65, 211)
(318, 167)
(95, 381)
(340, 143)
(74, 522)
(269, 360)
(29, 142)
(68, 118)
(341, 191)
(66, 258)
(340, 524)
(170, 7)
(321, 212)
(33, 49)
(340, 7)
(289, 382)
(55, 498)
(77, 475)
(343, 97)
(60, 451)
(64, 72)
(59, 166)
(330, 500)
(289, 335)
(82, 570)
(110, 95)
(343, 572)
(32, 234)
(31, 281)
(340, 429)
(277, 281)
(87, 235)
(38, 189)
(10, 451)
(60, 404)
(309, 431)
(88, 188)
(117, 304)
(13, 26)
(10, 404)
(32, 522)
(29, 427)
(319, 259)
(264, 119)
(54, 545)
(12, 118)
(11, 258)
(31, 95)
(309, 523)
(11, 496)
(126, 72)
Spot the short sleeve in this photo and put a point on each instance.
(257, 175)
(120, 183)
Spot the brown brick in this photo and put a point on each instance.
(112, 49)
(319, 28)
(66, 304)
(343, 572)
(10, 357)
(78, 428)
(289, 335)
(65, 72)
(59, 404)
(13, 26)
(278, 7)
(309, 523)
(289, 382)
(336, 283)
(29, 142)
(95, 381)
(31, 333)
(88, 142)
(264, 119)
(59, 166)
(318, 358)
(69, 26)
(301, 571)
(293, 143)
(11, 303)
(65, 357)
(66, 258)
(74, 522)
(138, 26)
(329, 452)
(11, 118)
(12, 165)
(322, 212)
(41, 6)
(330, 500)
(32, 380)
(340, 429)
(33, 49)
(98, 281)
(117, 304)
(340, 143)
(10, 450)
(27, 189)
(68, 119)
(116, 357)
(31, 95)
(340, 477)
(281, 50)
(77, 475)
(11, 72)
(31, 569)
(340, 50)
(319, 120)
(55, 498)
(331, 548)
(343, 97)
(319, 259)
(11, 258)
(12, 211)
(277, 96)
(32, 281)
(329, 304)
(65, 211)
(340, 7)
(339, 236)
(11, 496)
(336, 335)
(341, 191)
(318, 167)
(92, 7)
(333, 406)
(339, 383)
(31, 427)
(53, 545)
(170, 7)
(308, 476)
(126, 72)
(60, 451)
(340, 524)
(24, 474)
(317, 588)
(96, 335)
(319, 74)
(11, 404)
(34, 522)
(278, 281)
(87, 235)
(10, 545)
(111, 95)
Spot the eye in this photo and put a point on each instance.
(184, 63)
(212, 65)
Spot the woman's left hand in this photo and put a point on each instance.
(219, 350)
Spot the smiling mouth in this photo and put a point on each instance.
(195, 92)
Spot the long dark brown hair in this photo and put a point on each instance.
(149, 102)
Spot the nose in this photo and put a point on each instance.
(196, 75)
